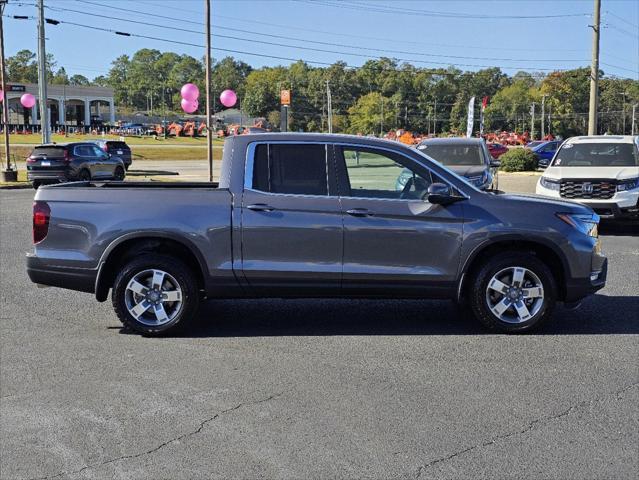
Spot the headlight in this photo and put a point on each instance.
(629, 184)
(479, 180)
(585, 223)
(549, 184)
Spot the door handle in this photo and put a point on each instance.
(360, 212)
(260, 207)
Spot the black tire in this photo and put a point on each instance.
(185, 278)
(84, 175)
(479, 296)
(118, 174)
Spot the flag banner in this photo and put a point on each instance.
(471, 117)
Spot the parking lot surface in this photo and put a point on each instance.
(314, 388)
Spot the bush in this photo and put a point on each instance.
(518, 160)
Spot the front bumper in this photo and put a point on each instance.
(80, 279)
(623, 205)
(577, 289)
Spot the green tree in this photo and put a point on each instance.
(366, 114)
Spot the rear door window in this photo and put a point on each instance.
(291, 169)
(83, 151)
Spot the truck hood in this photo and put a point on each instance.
(560, 204)
(594, 173)
(467, 170)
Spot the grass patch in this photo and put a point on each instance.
(35, 139)
(179, 153)
(144, 153)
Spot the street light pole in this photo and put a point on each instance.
(209, 133)
(8, 174)
(42, 76)
(634, 122)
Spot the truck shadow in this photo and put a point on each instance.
(598, 315)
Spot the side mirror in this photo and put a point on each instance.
(440, 194)
(495, 163)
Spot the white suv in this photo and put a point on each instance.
(599, 171)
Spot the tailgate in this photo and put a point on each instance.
(44, 158)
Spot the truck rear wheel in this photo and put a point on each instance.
(155, 295)
(514, 292)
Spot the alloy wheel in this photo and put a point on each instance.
(153, 297)
(515, 295)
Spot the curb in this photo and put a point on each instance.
(15, 186)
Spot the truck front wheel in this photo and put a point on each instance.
(513, 292)
(155, 295)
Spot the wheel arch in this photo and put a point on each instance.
(123, 249)
(543, 249)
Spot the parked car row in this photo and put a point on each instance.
(78, 161)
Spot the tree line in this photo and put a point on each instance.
(378, 96)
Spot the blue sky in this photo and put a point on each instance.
(468, 34)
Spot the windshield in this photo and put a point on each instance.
(458, 177)
(452, 154)
(597, 155)
(534, 144)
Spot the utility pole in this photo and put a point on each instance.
(329, 103)
(8, 174)
(594, 72)
(42, 76)
(543, 116)
(435, 119)
(623, 113)
(532, 121)
(381, 120)
(634, 122)
(209, 130)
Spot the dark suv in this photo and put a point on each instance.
(54, 163)
(118, 149)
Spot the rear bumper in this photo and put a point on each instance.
(48, 175)
(577, 289)
(80, 279)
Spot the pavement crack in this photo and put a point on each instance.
(527, 428)
(197, 430)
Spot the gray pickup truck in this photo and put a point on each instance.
(313, 215)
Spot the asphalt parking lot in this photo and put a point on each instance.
(314, 389)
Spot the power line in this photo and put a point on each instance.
(360, 55)
(429, 13)
(292, 27)
(139, 22)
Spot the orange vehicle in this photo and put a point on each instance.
(174, 129)
(189, 129)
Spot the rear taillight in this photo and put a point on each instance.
(67, 157)
(41, 215)
(105, 148)
(30, 159)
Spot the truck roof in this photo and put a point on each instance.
(314, 137)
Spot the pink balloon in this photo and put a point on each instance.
(27, 100)
(189, 91)
(189, 106)
(228, 98)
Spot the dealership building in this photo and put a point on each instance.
(68, 106)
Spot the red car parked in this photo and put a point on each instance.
(496, 149)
